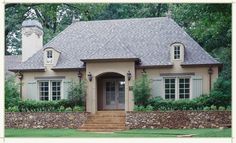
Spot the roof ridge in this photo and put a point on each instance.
(124, 19)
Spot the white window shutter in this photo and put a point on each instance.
(32, 92)
(196, 86)
(66, 86)
(157, 87)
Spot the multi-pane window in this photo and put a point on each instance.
(49, 54)
(177, 52)
(44, 90)
(49, 90)
(170, 88)
(56, 90)
(184, 88)
(177, 88)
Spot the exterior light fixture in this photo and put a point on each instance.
(19, 75)
(90, 77)
(210, 71)
(79, 75)
(129, 75)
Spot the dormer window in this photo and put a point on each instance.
(177, 52)
(49, 57)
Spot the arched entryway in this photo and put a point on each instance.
(110, 91)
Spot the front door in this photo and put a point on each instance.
(114, 94)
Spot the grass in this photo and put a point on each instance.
(11, 132)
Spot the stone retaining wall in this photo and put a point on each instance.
(45, 120)
(178, 119)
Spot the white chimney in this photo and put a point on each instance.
(32, 38)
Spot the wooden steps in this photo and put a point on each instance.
(105, 121)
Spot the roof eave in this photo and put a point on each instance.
(202, 65)
(71, 69)
(26, 70)
(110, 59)
(153, 66)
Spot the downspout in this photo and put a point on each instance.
(210, 72)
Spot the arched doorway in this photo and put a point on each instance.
(110, 91)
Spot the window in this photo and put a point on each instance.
(43, 90)
(177, 88)
(184, 88)
(56, 90)
(49, 90)
(49, 57)
(49, 54)
(176, 52)
(170, 88)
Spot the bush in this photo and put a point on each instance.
(206, 108)
(47, 106)
(142, 108)
(12, 109)
(38, 106)
(213, 107)
(221, 108)
(76, 94)
(142, 90)
(11, 92)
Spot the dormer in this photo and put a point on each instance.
(51, 56)
(177, 52)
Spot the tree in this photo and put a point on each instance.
(76, 93)
(142, 90)
(11, 92)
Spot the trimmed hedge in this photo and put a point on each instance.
(46, 106)
(201, 103)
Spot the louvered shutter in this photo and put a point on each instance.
(32, 92)
(196, 86)
(66, 86)
(157, 87)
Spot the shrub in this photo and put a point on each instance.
(149, 108)
(76, 94)
(142, 90)
(206, 108)
(11, 92)
(228, 108)
(213, 107)
(12, 109)
(139, 108)
(38, 106)
(221, 108)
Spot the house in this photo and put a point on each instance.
(110, 55)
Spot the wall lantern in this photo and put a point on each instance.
(79, 75)
(19, 75)
(90, 77)
(129, 75)
(210, 71)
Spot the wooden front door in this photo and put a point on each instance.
(114, 94)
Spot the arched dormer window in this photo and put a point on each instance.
(177, 52)
(51, 56)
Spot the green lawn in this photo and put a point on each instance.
(128, 133)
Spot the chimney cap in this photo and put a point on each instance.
(32, 23)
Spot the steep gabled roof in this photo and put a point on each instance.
(147, 39)
(11, 61)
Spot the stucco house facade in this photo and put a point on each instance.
(109, 55)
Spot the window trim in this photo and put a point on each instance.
(50, 88)
(177, 86)
(49, 58)
(177, 52)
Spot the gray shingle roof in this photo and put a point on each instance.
(148, 39)
(11, 61)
